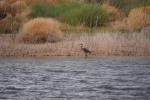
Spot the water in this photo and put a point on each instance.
(75, 79)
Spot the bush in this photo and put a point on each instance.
(40, 9)
(40, 30)
(114, 13)
(90, 15)
(7, 25)
(73, 13)
(18, 7)
(4, 8)
(138, 18)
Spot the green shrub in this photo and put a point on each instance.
(90, 15)
(73, 13)
(54, 10)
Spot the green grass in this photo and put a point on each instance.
(75, 13)
(40, 9)
(90, 15)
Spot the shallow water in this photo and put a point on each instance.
(104, 78)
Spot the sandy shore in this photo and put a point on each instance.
(101, 44)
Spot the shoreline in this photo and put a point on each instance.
(106, 44)
(61, 57)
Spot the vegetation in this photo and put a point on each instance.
(40, 30)
(124, 5)
(18, 7)
(138, 18)
(40, 24)
(112, 13)
(102, 44)
(74, 13)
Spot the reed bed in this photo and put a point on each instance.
(101, 44)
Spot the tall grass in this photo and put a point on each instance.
(40, 9)
(89, 15)
(74, 13)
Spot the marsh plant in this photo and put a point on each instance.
(74, 13)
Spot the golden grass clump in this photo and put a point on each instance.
(4, 7)
(138, 18)
(114, 13)
(18, 7)
(40, 30)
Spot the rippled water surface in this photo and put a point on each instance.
(75, 79)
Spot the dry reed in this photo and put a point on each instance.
(102, 44)
(40, 30)
(138, 18)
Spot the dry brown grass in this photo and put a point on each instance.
(138, 18)
(40, 30)
(4, 7)
(115, 14)
(24, 16)
(102, 44)
(7, 25)
(120, 25)
(18, 7)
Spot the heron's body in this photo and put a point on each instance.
(86, 51)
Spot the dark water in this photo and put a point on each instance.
(75, 79)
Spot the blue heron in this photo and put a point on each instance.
(86, 51)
